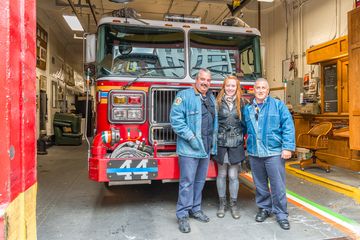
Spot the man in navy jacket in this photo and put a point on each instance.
(270, 141)
(193, 118)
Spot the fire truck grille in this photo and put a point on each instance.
(162, 100)
(163, 135)
(160, 129)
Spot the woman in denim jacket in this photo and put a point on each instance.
(230, 151)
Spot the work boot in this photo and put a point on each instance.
(222, 208)
(200, 216)
(184, 225)
(234, 208)
(262, 215)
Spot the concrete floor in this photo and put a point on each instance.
(70, 206)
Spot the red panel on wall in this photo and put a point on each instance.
(17, 98)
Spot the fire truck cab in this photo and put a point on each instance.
(140, 67)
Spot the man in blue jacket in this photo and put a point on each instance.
(193, 118)
(271, 139)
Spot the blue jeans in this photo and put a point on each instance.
(193, 173)
(265, 170)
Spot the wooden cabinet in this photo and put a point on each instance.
(354, 77)
(333, 59)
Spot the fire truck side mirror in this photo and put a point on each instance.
(90, 48)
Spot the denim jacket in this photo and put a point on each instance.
(185, 119)
(275, 131)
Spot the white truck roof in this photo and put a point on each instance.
(184, 25)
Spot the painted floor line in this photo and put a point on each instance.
(346, 225)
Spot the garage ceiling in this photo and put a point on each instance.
(51, 11)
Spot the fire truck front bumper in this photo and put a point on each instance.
(135, 169)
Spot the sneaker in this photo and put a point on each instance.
(184, 225)
(200, 216)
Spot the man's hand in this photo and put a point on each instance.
(286, 154)
(194, 143)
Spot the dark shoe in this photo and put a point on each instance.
(184, 225)
(284, 224)
(200, 216)
(222, 208)
(262, 215)
(234, 209)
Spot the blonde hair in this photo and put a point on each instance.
(238, 94)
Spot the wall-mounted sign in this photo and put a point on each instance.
(330, 88)
(41, 47)
(43, 83)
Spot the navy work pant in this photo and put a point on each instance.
(193, 173)
(265, 170)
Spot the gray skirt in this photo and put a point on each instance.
(235, 155)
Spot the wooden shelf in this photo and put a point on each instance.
(327, 51)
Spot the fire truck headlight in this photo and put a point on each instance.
(126, 106)
(135, 114)
(119, 114)
(119, 100)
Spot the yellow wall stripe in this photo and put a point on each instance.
(347, 190)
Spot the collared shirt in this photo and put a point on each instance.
(258, 117)
(207, 120)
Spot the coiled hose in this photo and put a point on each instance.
(132, 150)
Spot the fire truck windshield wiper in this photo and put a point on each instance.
(148, 70)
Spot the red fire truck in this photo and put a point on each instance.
(140, 66)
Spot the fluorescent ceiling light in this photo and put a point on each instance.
(265, 0)
(73, 23)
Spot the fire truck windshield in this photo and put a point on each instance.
(225, 53)
(125, 50)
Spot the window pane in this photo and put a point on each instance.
(137, 50)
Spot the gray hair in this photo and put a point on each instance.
(262, 80)
(205, 70)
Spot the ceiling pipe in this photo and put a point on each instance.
(73, 9)
(259, 16)
(195, 8)
(219, 17)
(92, 11)
(170, 6)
